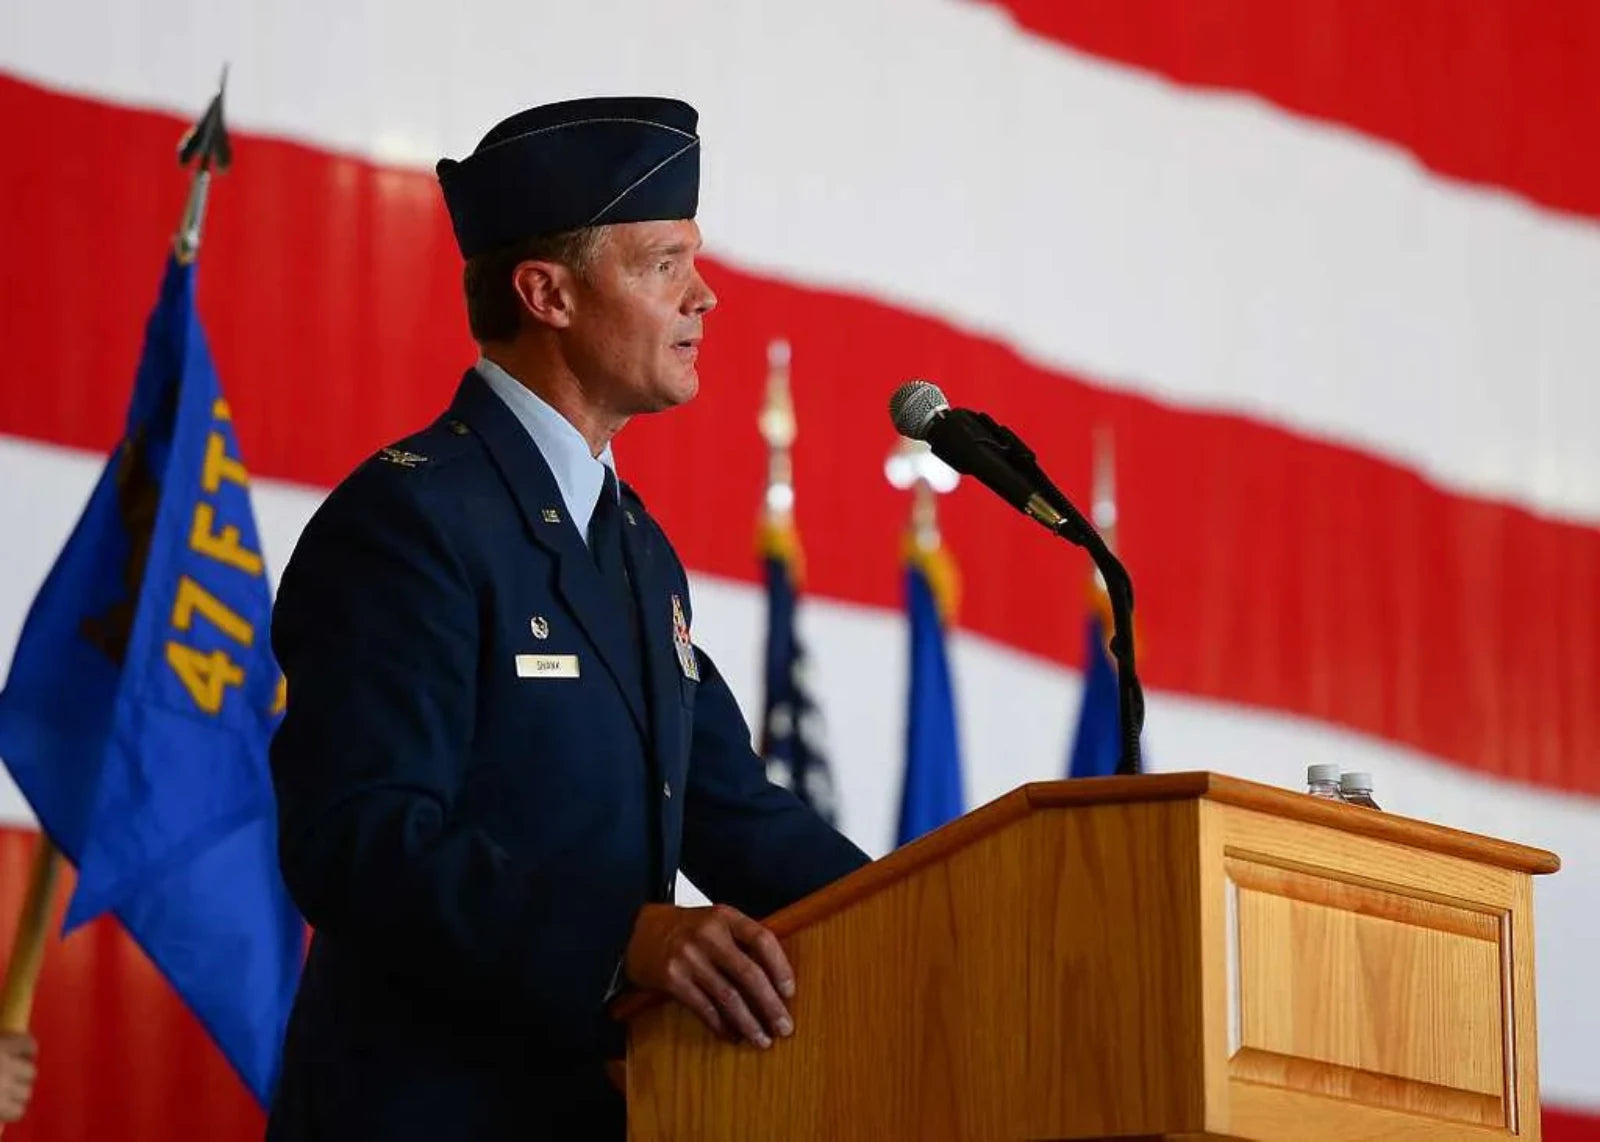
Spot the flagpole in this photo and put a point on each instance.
(778, 429)
(913, 467)
(931, 792)
(1103, 513)
(206, 146)
(27, 947)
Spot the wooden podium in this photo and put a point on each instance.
(1173, 956)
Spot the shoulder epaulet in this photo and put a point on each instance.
(427, 448)
(402, 458)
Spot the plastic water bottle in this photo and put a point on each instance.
(1356, 789)
(1323, 781)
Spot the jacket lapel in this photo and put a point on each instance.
(652, 589)
(539, 499)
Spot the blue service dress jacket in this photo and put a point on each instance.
(485, 769)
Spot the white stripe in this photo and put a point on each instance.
(1016, 714)
(1201, 247)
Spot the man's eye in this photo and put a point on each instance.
(663, 266)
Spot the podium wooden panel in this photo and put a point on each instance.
(1167, 956)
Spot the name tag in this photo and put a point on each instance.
(547, 666)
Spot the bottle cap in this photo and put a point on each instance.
(1356, 783)
(1320, 773)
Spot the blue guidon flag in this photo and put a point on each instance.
(142, 697)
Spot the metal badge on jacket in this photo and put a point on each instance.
(682, 643)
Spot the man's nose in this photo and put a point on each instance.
(701, 298)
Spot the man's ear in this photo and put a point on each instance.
(546, 291)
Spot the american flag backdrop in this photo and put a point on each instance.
(1328, 270)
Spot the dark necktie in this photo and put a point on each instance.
(605, 545)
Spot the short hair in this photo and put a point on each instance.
(494, 310)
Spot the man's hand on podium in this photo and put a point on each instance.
(719, 963)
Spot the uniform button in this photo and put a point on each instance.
(666, 790)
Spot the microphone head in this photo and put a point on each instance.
(913, 407)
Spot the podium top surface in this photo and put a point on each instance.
(1047, 796)
(1294, 805)
(1043, 796)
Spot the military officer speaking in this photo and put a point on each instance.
(501, 743)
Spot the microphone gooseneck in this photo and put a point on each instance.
(974, 444)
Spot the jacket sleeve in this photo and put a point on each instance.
(377, 631)
(746, 841)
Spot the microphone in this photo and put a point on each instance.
(974, 445)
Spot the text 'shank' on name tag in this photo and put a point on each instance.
(547, 666)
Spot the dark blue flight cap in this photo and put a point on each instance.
(584, 162)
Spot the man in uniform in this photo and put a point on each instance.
(501, 743)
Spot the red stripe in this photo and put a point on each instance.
(1496, 91)
(1570, 1126)
(1272, 570)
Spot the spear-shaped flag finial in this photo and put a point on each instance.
(204, 146)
